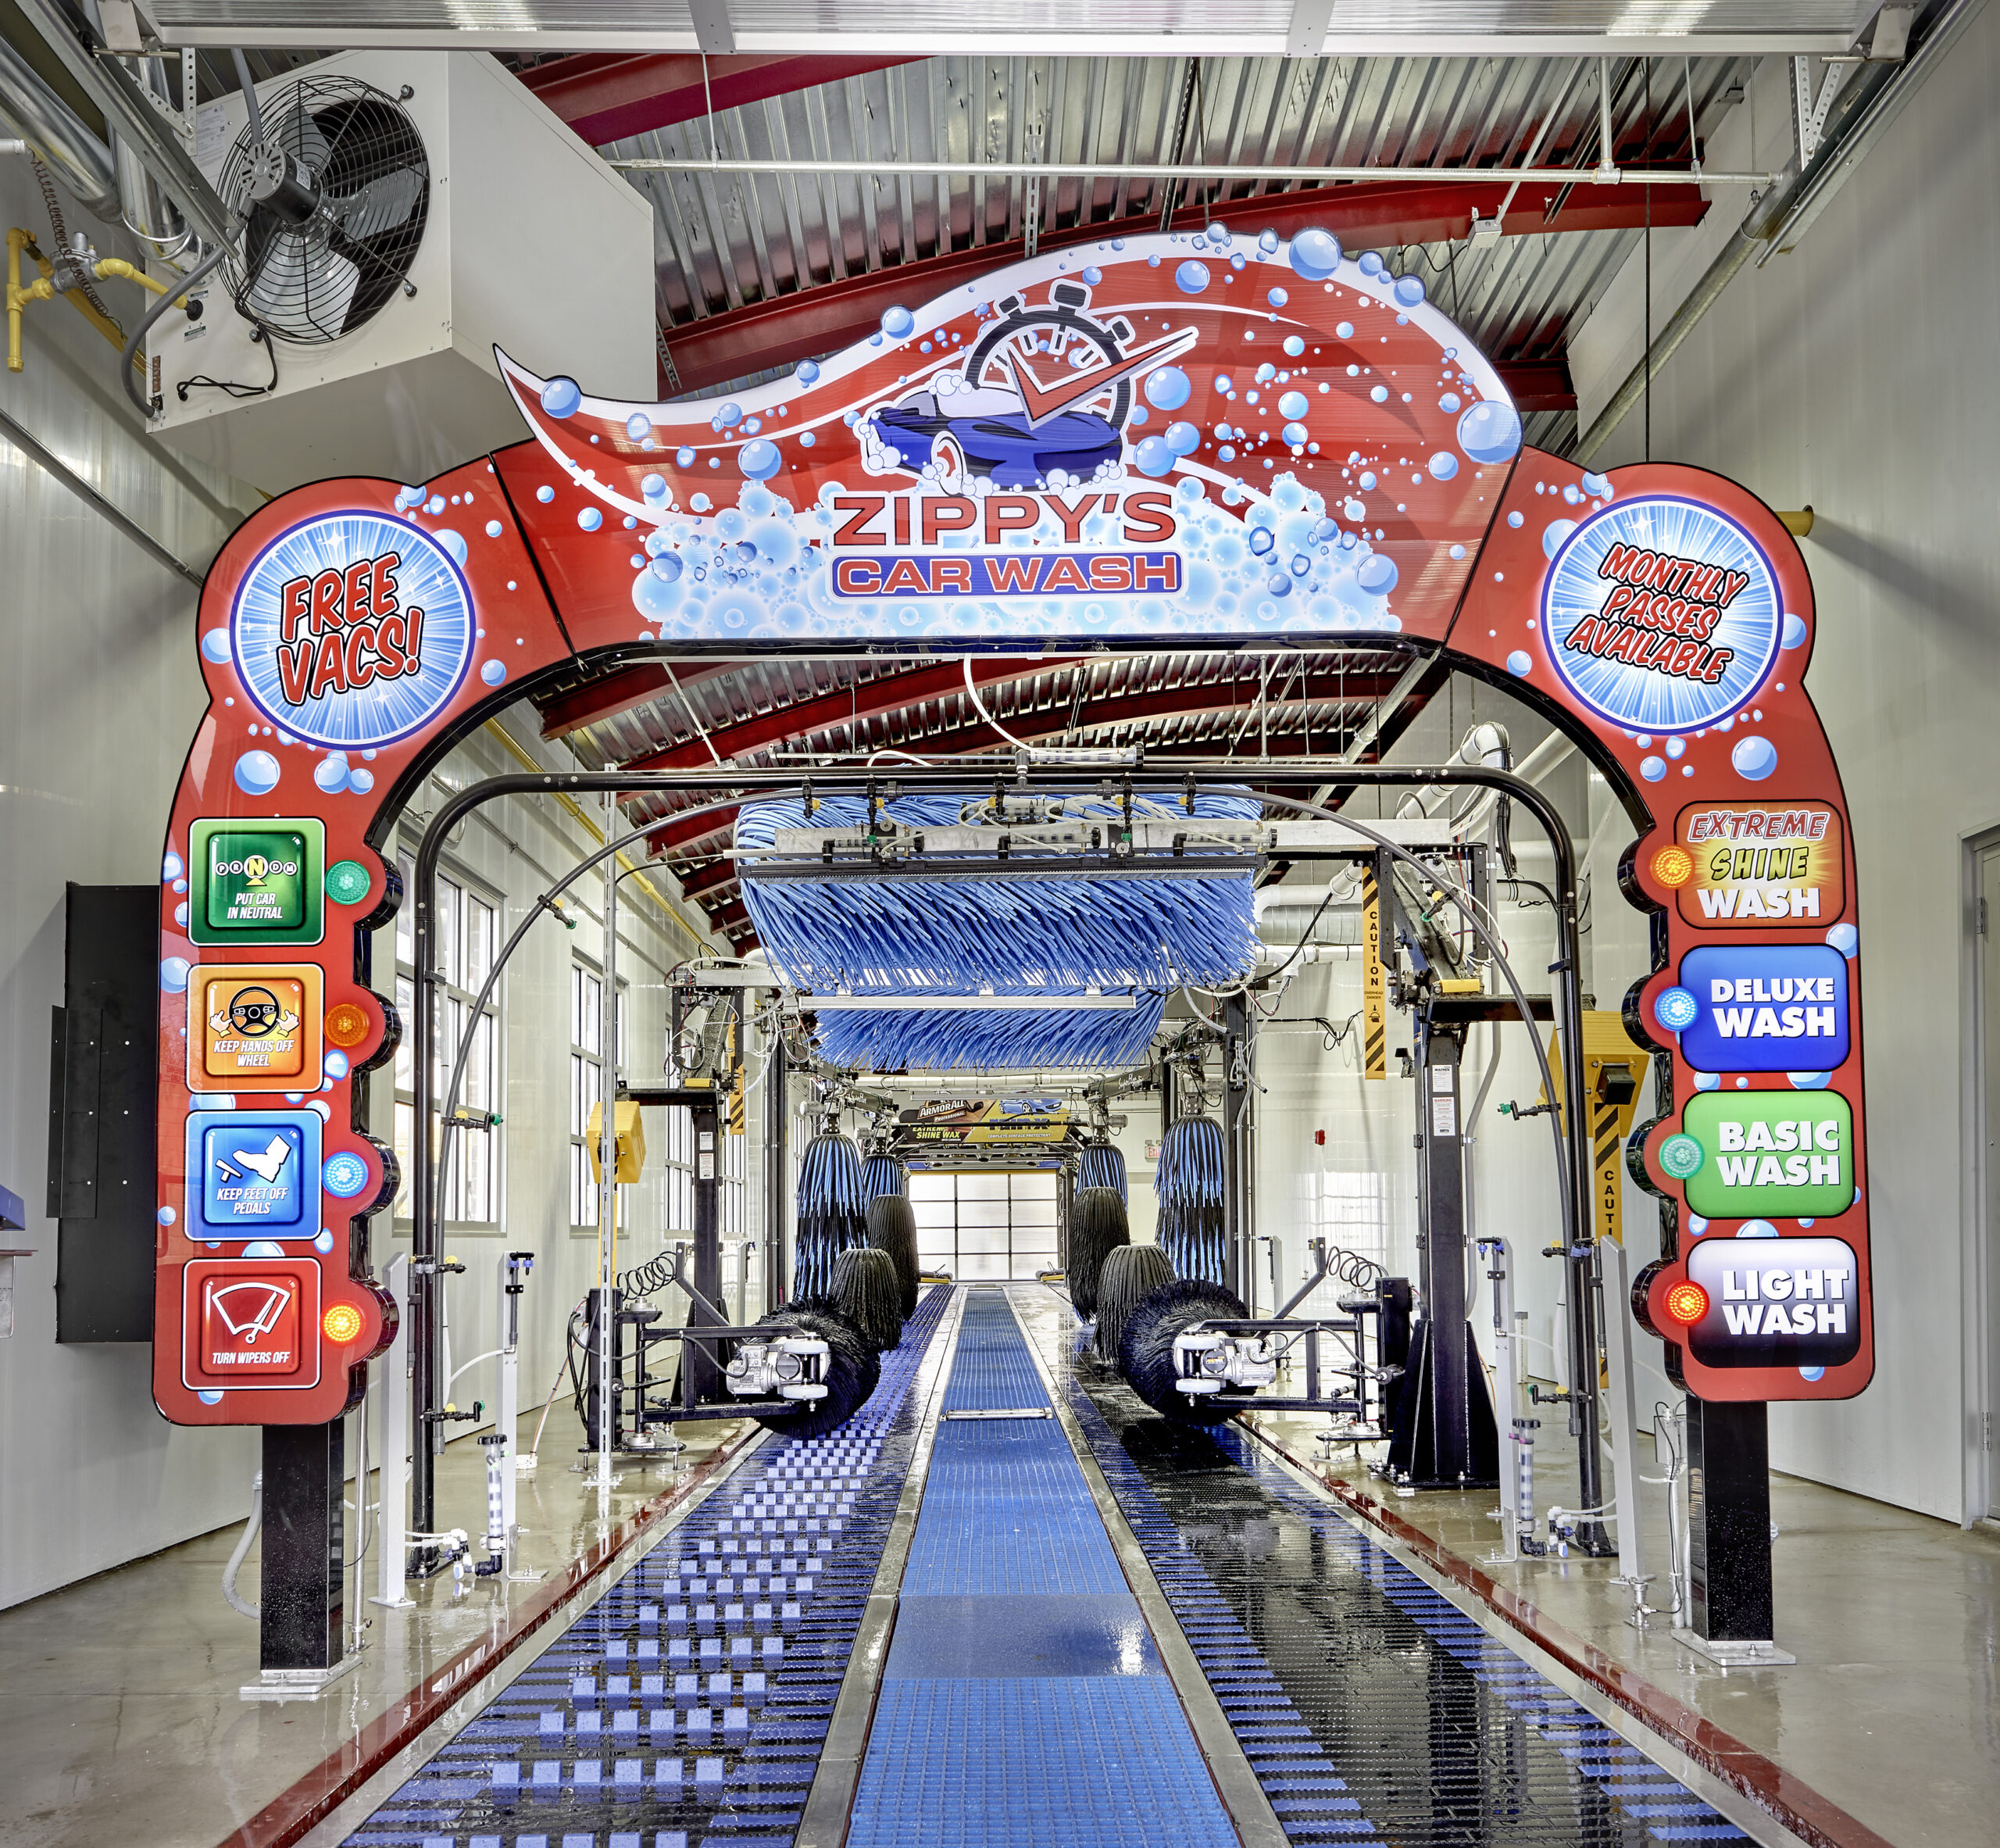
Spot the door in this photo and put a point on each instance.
(1988, 926)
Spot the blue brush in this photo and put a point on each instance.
(1101, 1165)
(951, 1040)
(883, 1175)
(833, 1213)
(1187, 1181)
(985, 933)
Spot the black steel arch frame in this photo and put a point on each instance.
(1574, 1163)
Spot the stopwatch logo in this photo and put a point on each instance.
(1045, 392)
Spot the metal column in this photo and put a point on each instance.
(300, 1629)
(697, 1358)
(777, 1181)
(1729, 1518)
(1239, 1026)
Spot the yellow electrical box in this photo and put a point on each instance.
(1614, 1070)
(631, 1142)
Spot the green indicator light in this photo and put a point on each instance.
(348, 882)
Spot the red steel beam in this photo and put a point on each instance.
(808, 323)
(863, 700)
(611, 96)
(621, 691)
(1163, 703)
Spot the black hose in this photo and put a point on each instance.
(146, 405)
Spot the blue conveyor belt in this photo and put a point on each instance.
(1022, 1703)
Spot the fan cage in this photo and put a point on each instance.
(311, 283)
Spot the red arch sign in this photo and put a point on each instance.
(1188, 440)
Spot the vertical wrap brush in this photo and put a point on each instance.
(1130, 1273)
(865, 1292)
(1097, 1227)
(1102, 1165)
(881, 1175)
(892, 1228)
(833, 1213)
(1188, 1181)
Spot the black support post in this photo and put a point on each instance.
(1729, 1514)
(1238, 1022)
(302, 1614)
(777, 1181)
(698, 1358)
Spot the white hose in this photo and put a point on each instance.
(242, 1552)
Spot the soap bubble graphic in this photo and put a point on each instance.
(493, 673)
(329, 774)
(171, 868)
(1653, 769)
(1795, 629)
(1490, 431)
(493, 529)
(806, 372)
(436, 504)
(1756, 1228)
(684, 457)
(210, 1397)
(1844, 938)
(1707, 1081)
(215, 646)
(1293, 405)
(1277, 298)
(654, 487)
(1378, 575)
(174, 975)
(360, 781)
(590, 519)
(1167, 388)
(256, 773)
(1409, 290)
(1294, 345)
(1261, 540)
(325, 1241)
(1371, 264)
(1296, 434)
(454, 543)
(666, 566)
(1443, 466)
(759, 459)
(1754, 758)
(1182, 438)
(1316, 255)
(1345, 329)
(1154, 456)
(560, 397)
(1812, 1373)
(1192, 278)
(1380, 393)
(639, 427)
(167, 1216)
(1554, 534)
(898, 321)
(1518, 661)
(730, 414)
(1810, 1080)
(1697, 1225)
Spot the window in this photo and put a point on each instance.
(986, 1225)
(586, 1071)
(468, 941)
(1350, 1209)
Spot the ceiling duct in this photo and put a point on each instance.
(81, 162)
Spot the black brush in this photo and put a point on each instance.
(1130, 1272)
(892, 1227)
(1145, 1345)
(853, 1370)
(866, 1291)
(1097, 1227)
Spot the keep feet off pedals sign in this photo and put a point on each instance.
(1193, 442)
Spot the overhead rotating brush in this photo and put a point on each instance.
(1097, 1227)
(853, 1370)
(833, 1212)
(1188, 1182)
(867, 1292)
(1145, 1344)
(1129, 1273)
(1102, 1164)
(892, 1228)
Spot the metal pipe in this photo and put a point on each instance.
(131, 114)
(1777, 218)
(29, 446)
(58, 135)
(1038, 169)
(147, 212)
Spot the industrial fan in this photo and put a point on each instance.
(331, 181)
